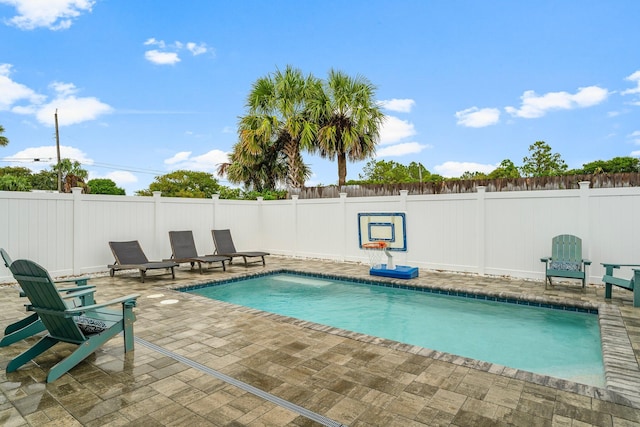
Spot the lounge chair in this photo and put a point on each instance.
(632, 284)
(129, 255)
(183, 249)
(566, 260)
(88, 326)
(82, 294)
(224, 246)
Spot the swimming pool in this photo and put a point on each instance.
(558, 343)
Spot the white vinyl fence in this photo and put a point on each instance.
(492, 233)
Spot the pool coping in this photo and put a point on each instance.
(622, 372)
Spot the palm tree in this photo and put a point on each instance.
(348, 120)
(3, 139)
(277, 120)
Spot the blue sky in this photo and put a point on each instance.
(146, 87)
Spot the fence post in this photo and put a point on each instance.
(343, 232)
(156, 224)
(294, 199)
(584, 221)
(78, 226)
(215, 198)
(259, 200)
(481, 226)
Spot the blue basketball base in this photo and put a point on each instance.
(400, 272)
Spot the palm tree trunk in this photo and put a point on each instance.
(342, 168)
(292, 151)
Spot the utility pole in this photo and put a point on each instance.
(58, 149)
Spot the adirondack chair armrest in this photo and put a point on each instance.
(586, 262)
(72, 289)
(609, 267)
(546, 259)
(129, 300)
(80, 281)
(76, 294)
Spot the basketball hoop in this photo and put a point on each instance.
(375, 250)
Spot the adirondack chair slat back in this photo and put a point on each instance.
(566, 248)
(41, 291)
(182, 244)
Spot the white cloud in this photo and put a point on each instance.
(196, 49)
(635, 153)
(161, 58)
(207, 162)
(47, 156)
(12, 92)
(534, 106)
(635, 136)
(475, 117)
(168, 54)
(399, 105)
(121, 178)
(635, 78)
(401, 149)
(455, 169)
(178, 157)
(51, 14)
(393, 130)
(71, 109)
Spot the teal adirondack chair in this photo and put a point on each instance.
(82, 294)
(632, 284)
(88, 326)
(566, 260)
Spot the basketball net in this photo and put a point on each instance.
(375, 251)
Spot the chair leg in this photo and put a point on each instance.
(263, 263)
(80, 353)
(21, 323)
(223, 266)
(128, 317)
(38, 348)
(29, 330)
(173, 273)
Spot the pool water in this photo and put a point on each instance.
(562, 344)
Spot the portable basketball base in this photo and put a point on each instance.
(400, 272)
(391, 270)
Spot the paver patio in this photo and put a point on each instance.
(349, 378)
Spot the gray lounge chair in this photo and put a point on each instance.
(224, 246)
(183, 249)
(129, 255)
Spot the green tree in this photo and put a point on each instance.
(391, 172)
(14, 183)
(542, 162)
(16, 171)
(183, 183)
(473, 175)
(4, 141)
(260, 172)
(506, 169)
(347, 118)
(615, 165)
(104, 186)
(44, 180)
(277, 120)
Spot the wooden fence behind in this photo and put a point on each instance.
(568, 182)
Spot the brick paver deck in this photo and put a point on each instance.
(349, 378)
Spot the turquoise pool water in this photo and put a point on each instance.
(562, 344)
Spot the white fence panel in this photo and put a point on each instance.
(499, 233)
